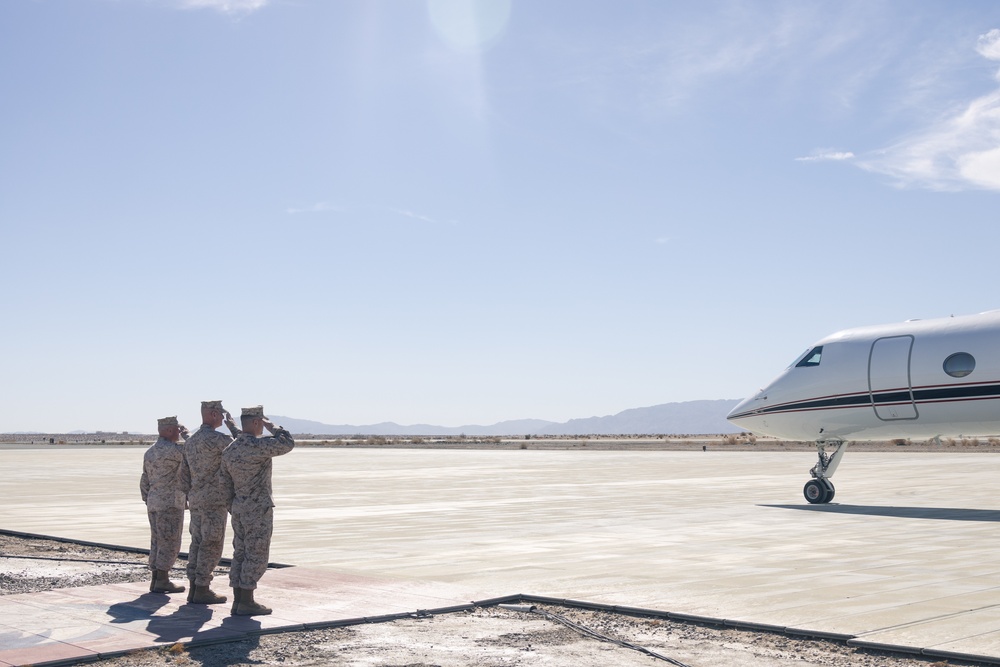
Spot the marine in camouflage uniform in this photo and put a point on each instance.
(246, 469)
(161, 487)
(207, 499)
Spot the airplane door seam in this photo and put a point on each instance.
(892, 402)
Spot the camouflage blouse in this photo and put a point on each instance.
(201, 472)
(161, 485)
(246, 470)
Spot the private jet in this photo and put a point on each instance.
(917, 379)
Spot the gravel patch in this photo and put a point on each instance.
(491, 636)
(31, 565)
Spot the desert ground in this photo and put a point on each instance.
(736, 442)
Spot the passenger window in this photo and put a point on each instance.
(959, 364)
(811, 358)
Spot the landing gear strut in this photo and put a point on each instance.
(819, 490)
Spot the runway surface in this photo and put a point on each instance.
(906, 559)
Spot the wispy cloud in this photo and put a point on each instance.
(417, 216)
(959, 151)
(225, 6)
(989, 45)
(742, 44)
(825, 155)
(411, 214)
(320, 207)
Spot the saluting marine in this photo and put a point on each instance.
(207, 499)
(162, 491)
(246, 469)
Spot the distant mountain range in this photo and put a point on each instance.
(690, 417)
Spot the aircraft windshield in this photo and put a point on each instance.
(811, 358)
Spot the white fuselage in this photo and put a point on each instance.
(916, 379)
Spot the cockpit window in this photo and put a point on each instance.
(811, 358)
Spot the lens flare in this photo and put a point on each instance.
(469, 25)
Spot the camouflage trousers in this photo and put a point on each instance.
(251, 547)
(165, 529)
(208, 535)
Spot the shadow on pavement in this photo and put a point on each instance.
(943, 513)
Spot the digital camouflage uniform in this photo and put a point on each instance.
(246, 469)
(207, 500)
(162, 491)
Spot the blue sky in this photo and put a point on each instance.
(459, 212)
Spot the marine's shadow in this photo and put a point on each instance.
(183, 624)
(143, 607)
(240, 633)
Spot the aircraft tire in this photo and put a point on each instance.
(816, 492)
(829, 487)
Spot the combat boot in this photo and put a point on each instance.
(205, 595)
(247, 606)
(191, 587)
(237, 596)
(152, 581)
(162, 583)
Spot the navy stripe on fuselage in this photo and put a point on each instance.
(933, 394)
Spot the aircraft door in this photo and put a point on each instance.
(889, 378)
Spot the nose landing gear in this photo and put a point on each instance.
(819, 490)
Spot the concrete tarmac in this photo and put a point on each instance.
(905, 556)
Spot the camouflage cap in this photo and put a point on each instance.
(166, 421)
(256, 412)
(212, 405)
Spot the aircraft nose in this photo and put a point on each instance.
(741, 409)
(747, 413)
